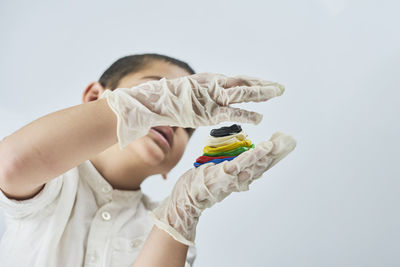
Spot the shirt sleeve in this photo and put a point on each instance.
(18, 209)
(191, 256)
(192, 251)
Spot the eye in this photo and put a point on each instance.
(189, 131)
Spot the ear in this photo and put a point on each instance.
(92, 92)
(164, 176)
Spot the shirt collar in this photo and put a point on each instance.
(103, 190)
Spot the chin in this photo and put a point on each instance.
(149, 152)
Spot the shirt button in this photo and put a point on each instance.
(92, 258)
(106, 189)
(136, 243)
(106, 215)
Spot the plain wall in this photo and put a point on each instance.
(334, 200)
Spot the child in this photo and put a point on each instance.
(70, 181)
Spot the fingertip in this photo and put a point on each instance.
(256, 118)
(283, 143)
(275, 135)
(293, 143)
(281, 89)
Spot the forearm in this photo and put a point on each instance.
(53, 144)
(160, 249)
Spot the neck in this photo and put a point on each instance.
(121, 173)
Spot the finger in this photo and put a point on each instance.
(247, 175)
(260, 167)
(206, 165)
(257, 93)
(244, 80)
(209, 77)
(222, 114)
(282, 145)
(247, 159)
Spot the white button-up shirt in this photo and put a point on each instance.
(78, 219)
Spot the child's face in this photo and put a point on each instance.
(151, 149)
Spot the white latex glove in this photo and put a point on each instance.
(200, 188)
(191, 101)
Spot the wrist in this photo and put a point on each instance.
(129, 115)
(186, 238)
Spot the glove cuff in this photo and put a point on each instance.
(170, 230)
(125, 134)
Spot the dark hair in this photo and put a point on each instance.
(133, 63)
(130, 64)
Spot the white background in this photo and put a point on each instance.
(334, 201)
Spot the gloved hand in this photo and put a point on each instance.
(191, 101)
(200, 188)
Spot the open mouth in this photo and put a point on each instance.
(166, 134)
